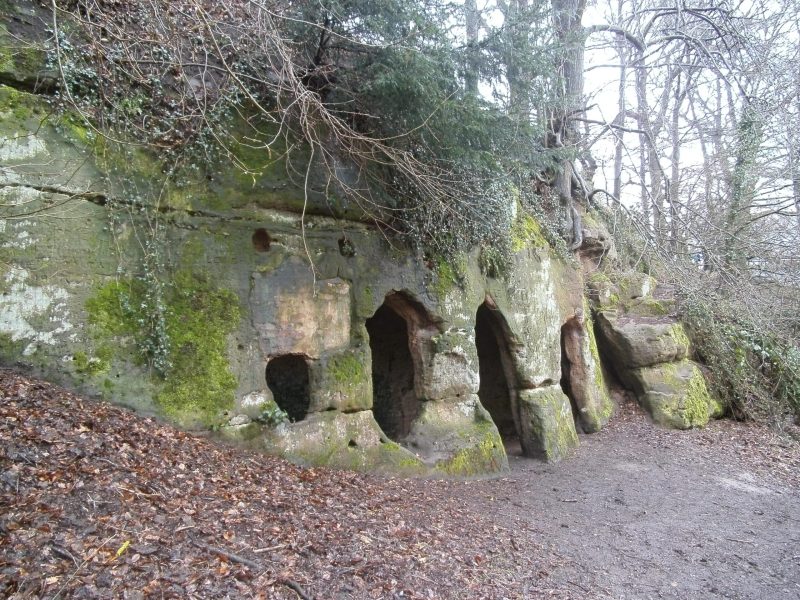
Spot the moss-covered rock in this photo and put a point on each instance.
(342, 381)
(457, 437)
(526, 233)
(187, 328)
(675, 394)
(598, 407)
(642, 341)
(22, 61)
(346, 441)
(546, 423)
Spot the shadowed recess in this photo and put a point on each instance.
(261, 240)
(287, 378)
(494, 360)
(395, 403)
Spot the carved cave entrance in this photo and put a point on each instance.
(497, 391)
(287, 378)
(395, 401)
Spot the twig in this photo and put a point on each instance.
(293, 585)
(64, 553)
(261, 550)
(230, 556)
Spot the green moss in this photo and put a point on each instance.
(446, 278)
(75, 128)
(93, 365)
(199, 319)
(9, 348)
(346, 369)
(598, 277)
(198, 386)
(697, 403)
(526, 232)
(366, 298)
(20, 105)
(347, 384)
(23, 62)
(484, 457)
(606, 406)
(648, 307)
(678, 333)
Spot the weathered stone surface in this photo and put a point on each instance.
(240, 432)
(597, 247)
(583, 375)
(635, 285)
(530, 305)
(255, 403)
(295, 315)
(342, 381)
(335, 439)
(642, 341)
(548, 428)
(51, 268)
(675, 394)
(457, 437)
(452, 370)
(22, 53)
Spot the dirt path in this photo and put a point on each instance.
(641, 512)
(96, 502)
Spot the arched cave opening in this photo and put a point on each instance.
(395, 402)
(287, 378)
(497, 392)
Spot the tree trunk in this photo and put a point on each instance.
(567, 15)
(472, 68)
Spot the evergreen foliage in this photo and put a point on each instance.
(369, 94)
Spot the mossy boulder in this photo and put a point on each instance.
(340, 440)
(457, 437)
(675, 394)
(546, 423)
(642, 341)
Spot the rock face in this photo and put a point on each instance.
(315, 339)
(648, 350)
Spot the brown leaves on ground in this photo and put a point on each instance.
(96, 501)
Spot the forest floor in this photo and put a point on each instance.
(97, 502)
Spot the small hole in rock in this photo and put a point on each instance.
(261, 240)
(346, 247)
(352, 443)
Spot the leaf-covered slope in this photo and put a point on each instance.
(96, 501)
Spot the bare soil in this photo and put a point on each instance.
(96, 502)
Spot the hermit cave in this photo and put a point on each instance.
(287, 378)
(496, 394)
(395, 402)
